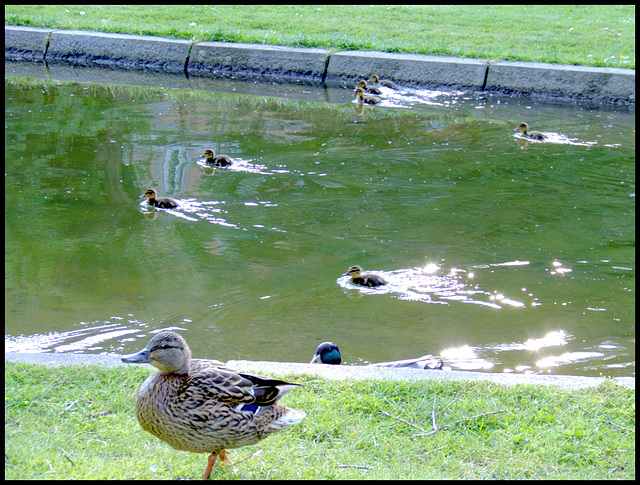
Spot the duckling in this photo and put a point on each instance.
(219, 160)
(202, 406)
(162, 202)
(367, 98)
(367, 88)
(383, 82)
(328, 353)
(357, 278)
(535, 135)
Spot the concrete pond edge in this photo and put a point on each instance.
(340, 372)
(318, 66)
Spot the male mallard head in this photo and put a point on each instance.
(167, 351)
(327, 353)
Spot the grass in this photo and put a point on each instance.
(78, 422)
(589, 35)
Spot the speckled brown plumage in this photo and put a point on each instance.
(204, 407)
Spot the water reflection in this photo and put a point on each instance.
(499, 259)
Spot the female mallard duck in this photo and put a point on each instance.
(162, 202)
(367, 98)
(357, 278)
(535, 135)
(368, 88)
(203, 407)
(382, 82)
(217, 160)
(328, 353)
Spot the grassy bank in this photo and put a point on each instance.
(590, 35)
(78, 422)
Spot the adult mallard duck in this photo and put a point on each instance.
(162, 202)
(204, 407)
(367, 98)
(382, 82)
(217, 160)
(368, 88)
(328, 353)
(535, 135)
(367, 279)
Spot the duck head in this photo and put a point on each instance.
(208, 154)
(327, 353)
(167, 351)
(149, 194)
(353, 271)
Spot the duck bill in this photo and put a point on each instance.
(142, 357)
(316, 359)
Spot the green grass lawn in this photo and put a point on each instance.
(78, 422)
(589, 35)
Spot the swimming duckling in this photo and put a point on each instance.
(357, 278)
(383, 82)
(367, 98)
(162, 202)
(219, 160)
(368, 88)
(328, 353)
(202, 406)
(536, 135)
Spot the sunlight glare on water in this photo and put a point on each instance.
(502, 254)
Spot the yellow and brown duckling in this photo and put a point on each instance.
(328, 353)
(534, 135)
(202, 406)
(382, 82)
(161, 202)
(368, 88)
(218, 160)
(367, 98)
(366, 279)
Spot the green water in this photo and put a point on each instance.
(502, 254)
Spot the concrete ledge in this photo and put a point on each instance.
(128, 51)
(25, 43)
(575, 82)
(410, 69)
(340, 372)
(249, 61)
(315, 66)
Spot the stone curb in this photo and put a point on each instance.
(244, 61)
(412, 69)
(318, 66)
(343, 372)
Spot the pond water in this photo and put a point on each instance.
(502, 254)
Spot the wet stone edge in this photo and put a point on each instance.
(318, 66)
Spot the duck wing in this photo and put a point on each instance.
(224, 385)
